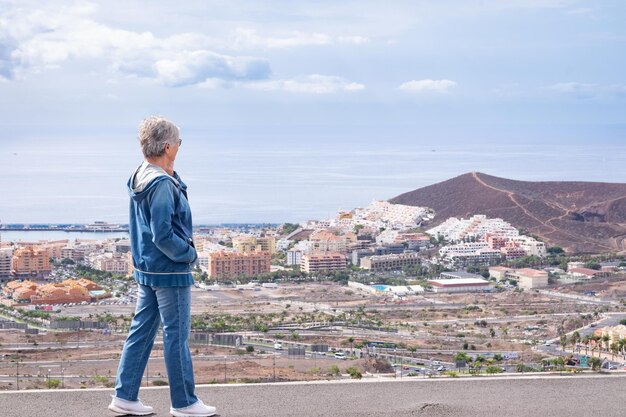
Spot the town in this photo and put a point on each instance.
(374, 292)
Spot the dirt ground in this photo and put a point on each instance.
(505, 321)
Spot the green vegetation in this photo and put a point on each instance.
(53, 383)
(288, 228)
(333, 370)
(159, 383)
(492, 369)
(98, 276)
(354, 372)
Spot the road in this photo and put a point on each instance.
(572, 396)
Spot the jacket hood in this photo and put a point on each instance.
(145, 177)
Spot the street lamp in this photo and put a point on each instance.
(49, 370)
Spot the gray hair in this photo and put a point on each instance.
(154, 133)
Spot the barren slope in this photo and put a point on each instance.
(581, 217)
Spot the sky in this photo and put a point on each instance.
(291, 110)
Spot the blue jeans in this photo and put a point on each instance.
(171, 306)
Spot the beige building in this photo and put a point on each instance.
(31, 261)
(390, 262)
(229, 265)
(529, 278)
(499, 272)
(323, 262)
(247, 244)
(615, 333)
(110, 262)
(326, 241)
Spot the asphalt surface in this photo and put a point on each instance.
(569, 396)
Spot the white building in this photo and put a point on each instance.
(455, 230)
(109, 262)
(459, 285)
(473, 253)
(283, 244)
(294, 257)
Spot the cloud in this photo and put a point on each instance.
(312, 84)
(353, 40)
(588, 90)
(249, 38)
(428, 85)
(46, 38)
(242, 38)
(193, 67)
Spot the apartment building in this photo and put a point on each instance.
(110, 262)
(6, 262)
(31, 261)
(474, 253)
(527, 278)
(323, 262)
(390, 262)
(294, 257)
(229, 265)
(247, 243)
(476, 226)
(325, 241)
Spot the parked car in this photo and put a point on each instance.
(278, 346)
(340, 355)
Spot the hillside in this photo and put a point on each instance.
(581, 217)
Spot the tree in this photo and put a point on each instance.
(574, 339)
(289, 228)
(607, 341)
(462, 357)
(555, 250)
(563, 341)
(595, 363)
(351, 341)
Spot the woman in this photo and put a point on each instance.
(163, 252)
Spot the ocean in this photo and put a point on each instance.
(72, 181)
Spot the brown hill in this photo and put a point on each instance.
(581, 217)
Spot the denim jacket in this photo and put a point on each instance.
(160, 228)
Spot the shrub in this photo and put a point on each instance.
(354, 372)
(52, 383)
(333, 370)
(159, 383)
(491, 369)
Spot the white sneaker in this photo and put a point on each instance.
(199, 409)
(132, 408)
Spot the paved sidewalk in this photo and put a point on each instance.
(569, 396)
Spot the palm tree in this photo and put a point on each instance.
(586, 340)
(351, 341)
(563, 341)
(595, 363)
(607, 341)
(614, 350)
(621, 344)
(574, 339)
